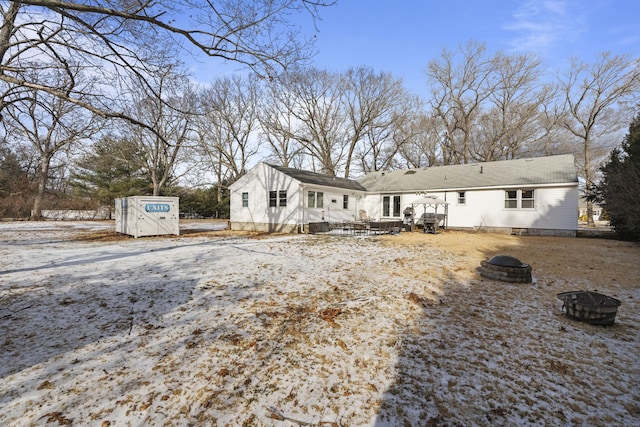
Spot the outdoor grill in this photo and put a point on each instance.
(505, 268)
(408, 218)
(590, 307)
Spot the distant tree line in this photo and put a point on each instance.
(115, 114)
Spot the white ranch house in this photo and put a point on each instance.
(528, 196)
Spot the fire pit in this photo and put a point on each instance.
(590, 307)
(505, 268)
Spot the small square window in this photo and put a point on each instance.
(461, 198)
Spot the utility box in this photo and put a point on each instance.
(140, 216)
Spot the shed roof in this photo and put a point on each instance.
(320, 179)
(521, 172)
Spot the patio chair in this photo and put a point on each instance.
(363, 216)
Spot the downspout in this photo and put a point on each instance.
(302, 210)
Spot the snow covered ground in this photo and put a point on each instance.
(231, 330)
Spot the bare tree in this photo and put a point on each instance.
(317, 113)
(51, 125)
(422, 146)
(169, 109)
(228, 126)
(120, 40)
(596, 105)
(376, 105)
(508, 124)
(277, 127)
(460, 83)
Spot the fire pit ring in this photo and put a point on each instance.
(505, 268)
(590, 307)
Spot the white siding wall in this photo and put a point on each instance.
(374, 202)
(555, 208)
(333, 205)
(374, 205)
(258, 215)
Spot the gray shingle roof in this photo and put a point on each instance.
(320, 179)
(521, 172)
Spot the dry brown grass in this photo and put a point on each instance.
(595, 260)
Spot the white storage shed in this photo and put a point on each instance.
(141, 216)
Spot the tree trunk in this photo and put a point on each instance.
(219, 177)
(43, 178)
(8, 27)
(588, 191)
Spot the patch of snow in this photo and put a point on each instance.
(216, 330)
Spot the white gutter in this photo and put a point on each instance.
(495, 187)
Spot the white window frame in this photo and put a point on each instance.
(462, 197)
(519, 201)
(394, 206)
(315, 199)
(529, 200)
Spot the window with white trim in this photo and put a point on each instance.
(511, 199)
(315, 199)
(527, 199)
(462, 200)
(345, 202)
(387, 205)
(519, 199)
(245, 200)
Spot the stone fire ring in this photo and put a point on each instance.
(506, 269)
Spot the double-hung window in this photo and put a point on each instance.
(315, 199)
(511, 199)
(519, 199)
(527, 199)
(277, 198)
(345, 201)
(245, 200)
(462, 199)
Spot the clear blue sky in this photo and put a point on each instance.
(402, 36)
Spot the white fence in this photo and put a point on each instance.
(76, 214)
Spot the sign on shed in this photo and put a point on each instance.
(141, 216)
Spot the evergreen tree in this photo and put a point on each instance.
(113, 169)
(14, 177)
(619, 191)
(16, 186)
